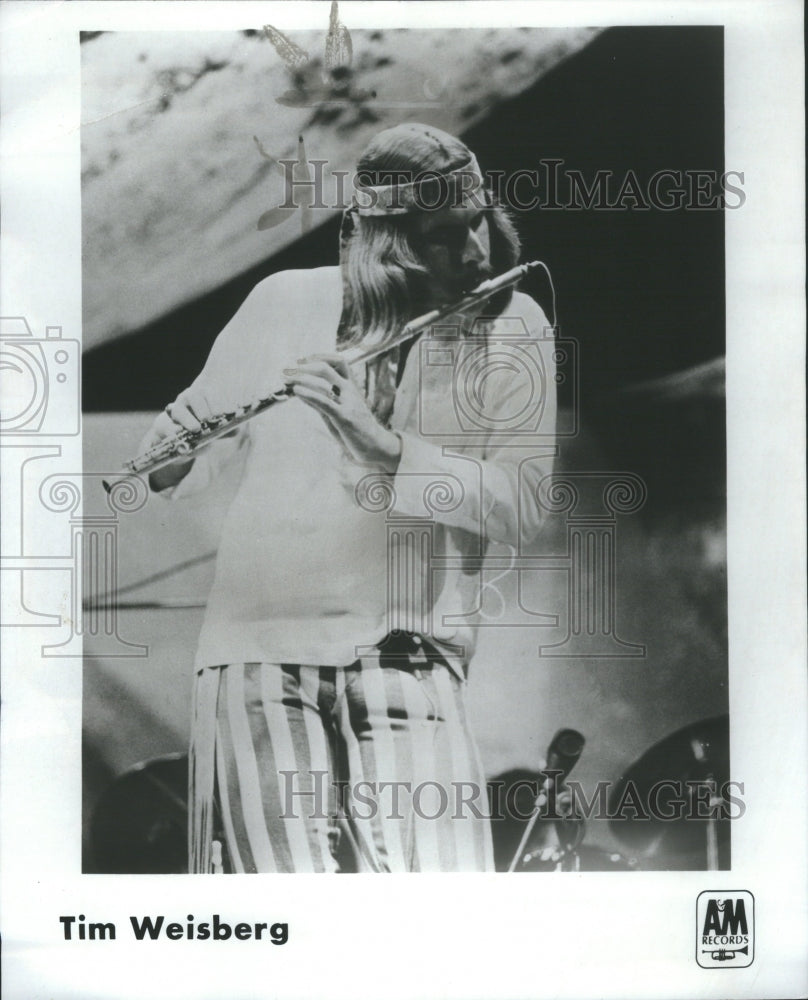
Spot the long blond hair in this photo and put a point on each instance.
(383, 275)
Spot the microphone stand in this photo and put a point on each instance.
(562, 754)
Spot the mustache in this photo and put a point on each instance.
(461, 283)
(474, 277)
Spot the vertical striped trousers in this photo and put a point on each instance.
(301, 767)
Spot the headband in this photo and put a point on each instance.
(401, 199)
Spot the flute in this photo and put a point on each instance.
(185, 443)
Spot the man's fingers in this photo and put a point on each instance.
(314, 389)
(198, 403)
(190, 409)
(336, 361)
(317, 401)
(162, 428)
(182, 416)
(321, 367)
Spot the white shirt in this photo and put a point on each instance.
(321, 556)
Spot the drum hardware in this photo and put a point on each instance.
(688, 760)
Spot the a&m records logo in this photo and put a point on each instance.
(725, 929)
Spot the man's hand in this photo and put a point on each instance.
(187, 412)
(324, 382)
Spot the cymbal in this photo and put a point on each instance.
(666, 798)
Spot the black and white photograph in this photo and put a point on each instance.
(403, 463)
(509, 521)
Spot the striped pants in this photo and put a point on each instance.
(369, 767)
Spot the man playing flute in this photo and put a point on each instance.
(331, 668)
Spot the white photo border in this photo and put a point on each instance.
(598, 934)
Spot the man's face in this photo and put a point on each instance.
(454, 244)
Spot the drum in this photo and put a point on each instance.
(140, 823)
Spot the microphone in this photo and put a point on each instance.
(562, 755)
